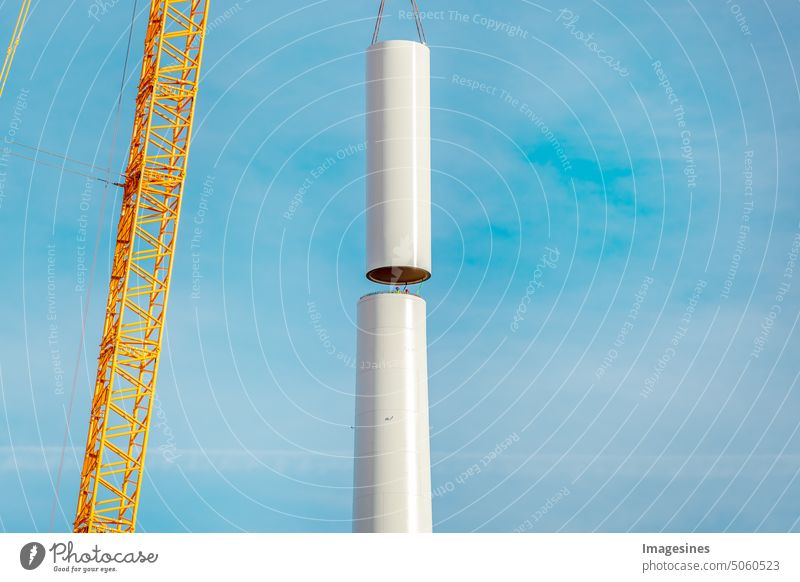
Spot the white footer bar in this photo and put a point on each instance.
(415, 558)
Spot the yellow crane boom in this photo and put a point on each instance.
(12, 46)
(121, 408)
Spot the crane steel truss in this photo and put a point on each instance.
(12, 46)
(111, 477)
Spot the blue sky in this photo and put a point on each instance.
(615, 221)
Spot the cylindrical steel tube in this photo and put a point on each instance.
(398, 162)
(392, 481)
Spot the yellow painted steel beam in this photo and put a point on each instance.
(12, 46)
(116, 443)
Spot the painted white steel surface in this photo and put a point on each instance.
(398, 162)
(392, 451)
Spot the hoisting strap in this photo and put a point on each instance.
(417, 20)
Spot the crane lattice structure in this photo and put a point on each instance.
(12, 46)
(121, 408)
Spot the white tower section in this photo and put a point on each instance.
(398, 162)
(392, 482)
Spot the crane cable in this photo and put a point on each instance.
(67, 170)
(36, 160)
(417, 20)
(56, 502)
(27, 146)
